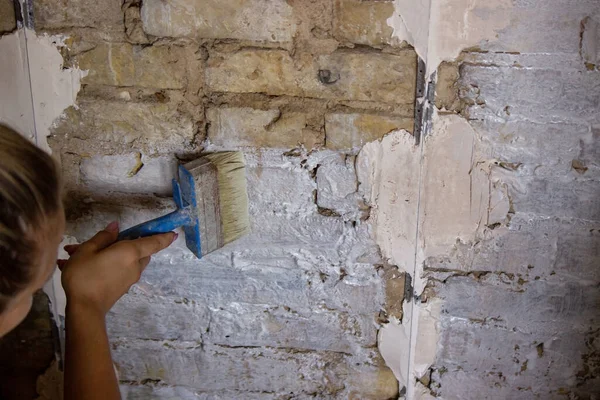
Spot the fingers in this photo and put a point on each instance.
(61, 264)
(153, 244)
(102, 239)
(71, 248)
(144, 263)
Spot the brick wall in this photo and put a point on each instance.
(291, 311)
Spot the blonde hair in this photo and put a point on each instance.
(29, 195)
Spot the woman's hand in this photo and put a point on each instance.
(100, 271)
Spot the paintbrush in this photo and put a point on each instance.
(212, 204)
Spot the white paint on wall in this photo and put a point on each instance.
(54, 88)
(16, 107)
(440, 29)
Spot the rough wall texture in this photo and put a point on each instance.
(291, 311)
(521, 307)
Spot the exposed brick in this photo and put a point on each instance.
(108, 126)
(394, 291)
(122, 64)
(376, 384)
(348, 131)
(133, 25)
(446, 88)
(7, 16)
(128, 173)
(103, 14)
(262, 20)
(234, 127)
(364, 22)
(344, 75)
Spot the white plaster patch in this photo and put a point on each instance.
(393, 342)
(455, 189)
(16, 106)
(458, 198)
(440, 29)
(37, 87)
(388, 172)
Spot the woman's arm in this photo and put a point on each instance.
(98, 273)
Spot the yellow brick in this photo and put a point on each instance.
(162, 67)
(347, 131)
(364, 22)
(344, 75)
(7, 16)
(259, 20)
(247, 127)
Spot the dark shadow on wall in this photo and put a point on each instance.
(26, 352)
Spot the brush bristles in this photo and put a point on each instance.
(233, 197)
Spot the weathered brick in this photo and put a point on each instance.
(590, 36)
(128, 173)
(112, 125)
(262, 20)
(344, 75)
(446, 88)
(348, 131)
(285, 327)
(139, 316)
(204, 366)
(337, 186)
(235, 127)
(214, 285)
(364, 22)
(156, 392)
(7, 16)
(103, 14)
(375, 384)
(158, 318)
(133, 25)
(122, 64)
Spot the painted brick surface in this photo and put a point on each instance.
(544, 261)
(263, 369)
(345, 75)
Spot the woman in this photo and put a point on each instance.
(97, 274)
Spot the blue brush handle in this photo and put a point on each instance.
(163, 224)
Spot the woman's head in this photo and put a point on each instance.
(31, 224)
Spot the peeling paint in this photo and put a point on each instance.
(39, 88)
(440, 29)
